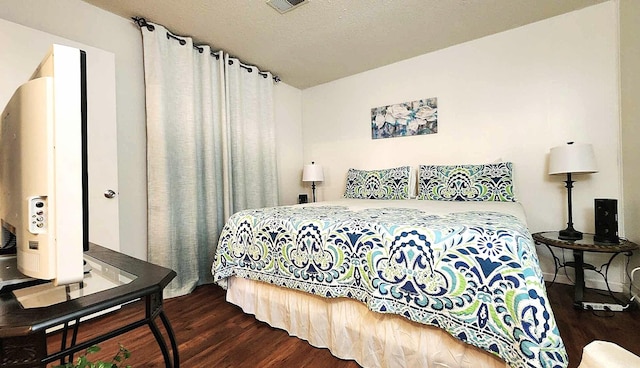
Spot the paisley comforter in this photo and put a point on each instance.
(473, 273)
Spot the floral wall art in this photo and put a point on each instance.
(405, 119)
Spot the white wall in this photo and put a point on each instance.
(288, 106)
(89, 25)
(630, 95)
(512, 95)
(630, 87)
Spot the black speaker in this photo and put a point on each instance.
(606, 214)
(302, 198)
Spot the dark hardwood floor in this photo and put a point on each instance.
(214, 333)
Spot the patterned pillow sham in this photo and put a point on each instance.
(489, 182)
(378, 184)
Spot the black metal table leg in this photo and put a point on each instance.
(556, 262)
(161, 343)
(172, 339)
(578, 288)
(63, 341)
(154, 309)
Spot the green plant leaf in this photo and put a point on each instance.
(83, 362)
(93, 349)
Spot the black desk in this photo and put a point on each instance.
(23, 330)
(587, 244)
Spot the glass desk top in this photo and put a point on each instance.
(100, 277)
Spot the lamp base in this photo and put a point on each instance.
(569, 234)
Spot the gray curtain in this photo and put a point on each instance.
(251, 136)
(210, 151)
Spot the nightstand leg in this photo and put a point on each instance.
(579, 285)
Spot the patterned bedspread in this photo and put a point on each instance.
(475, 274)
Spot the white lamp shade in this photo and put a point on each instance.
(312, 173)
(572, 158)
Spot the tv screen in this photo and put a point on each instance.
(43, 169)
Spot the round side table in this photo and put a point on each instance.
(586, 244)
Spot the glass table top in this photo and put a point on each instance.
(100, 277)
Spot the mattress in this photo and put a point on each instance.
(468, 268)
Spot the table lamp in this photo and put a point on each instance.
(312, 173)
(571, 158)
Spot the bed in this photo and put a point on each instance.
(436, 281)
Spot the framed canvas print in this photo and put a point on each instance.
(405, 119)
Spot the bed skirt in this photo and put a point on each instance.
(351, 331)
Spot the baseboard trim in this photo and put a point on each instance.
(616, 287)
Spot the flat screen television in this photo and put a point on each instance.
(43, 169)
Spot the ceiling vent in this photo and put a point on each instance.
(283, 6)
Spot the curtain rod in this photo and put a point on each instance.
(141, 22)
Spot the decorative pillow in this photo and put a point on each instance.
(378, 184)
(489, 182)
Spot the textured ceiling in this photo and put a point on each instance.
(325, 40)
